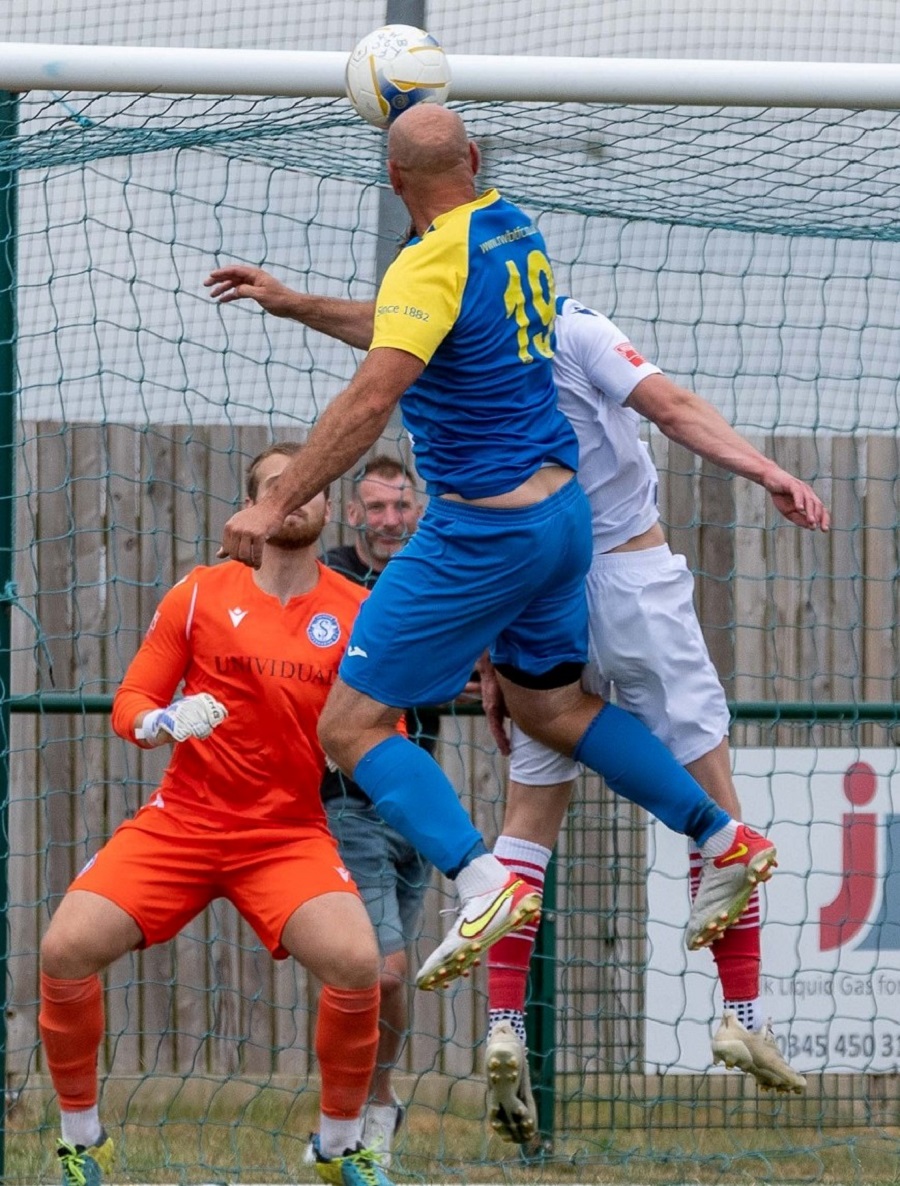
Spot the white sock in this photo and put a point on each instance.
(337, 1136)
(513, 1017)
(384, 1113)
(514, 852)
(382, 1117)
(480, 876)
(81, 1128)
(748, 1013)
(720, 841)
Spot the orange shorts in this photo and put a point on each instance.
(164, 871)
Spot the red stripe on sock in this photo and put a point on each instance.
(751, 916)
(532, 873)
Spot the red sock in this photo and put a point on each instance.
(737, 955)
(510, 957)
(71, 1025)
(346, 1042)
(737, 952)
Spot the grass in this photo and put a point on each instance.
(209, 1133)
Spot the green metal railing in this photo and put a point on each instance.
(886, 712)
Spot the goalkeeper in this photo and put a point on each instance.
(237, 815)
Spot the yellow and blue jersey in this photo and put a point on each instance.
(474, 299)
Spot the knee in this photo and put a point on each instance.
(543, 727)
(359, 966)
(393, 987)
(53, 956)
(62, 958)
(560, 721)
(359, 973)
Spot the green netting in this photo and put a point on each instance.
(776, 171)
(753, 254)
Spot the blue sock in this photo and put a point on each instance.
(640, 768)
(412, 794)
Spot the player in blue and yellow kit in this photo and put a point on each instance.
(463, 341)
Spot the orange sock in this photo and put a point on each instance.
(346, 1042)
(71, 1025)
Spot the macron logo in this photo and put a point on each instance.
(237, 616)
(356, 652)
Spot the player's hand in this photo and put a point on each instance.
(246, 532)
(238, 281)
(795, 500)
(494, 705)
(194, 716)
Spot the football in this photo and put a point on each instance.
(393, 68)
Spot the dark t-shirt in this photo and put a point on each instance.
(346, 561)
(422, 723)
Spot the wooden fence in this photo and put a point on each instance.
(107, 517)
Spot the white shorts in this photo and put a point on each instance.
(646, 643)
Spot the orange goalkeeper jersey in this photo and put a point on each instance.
(271, 665)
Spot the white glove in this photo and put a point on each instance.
(194, 716)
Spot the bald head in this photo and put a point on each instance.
(429, 140)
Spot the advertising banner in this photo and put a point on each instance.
(831, 917)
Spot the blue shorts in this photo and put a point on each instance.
(472, 578)
(390, 874)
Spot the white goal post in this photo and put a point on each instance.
(164, 70)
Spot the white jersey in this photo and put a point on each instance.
(645, 640)
(596, 369)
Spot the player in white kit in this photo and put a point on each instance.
(646, 643)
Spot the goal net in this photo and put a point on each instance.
(753, 254)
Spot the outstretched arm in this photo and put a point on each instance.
(348, 321)
(690, 421)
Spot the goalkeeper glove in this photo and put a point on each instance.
(194, 716)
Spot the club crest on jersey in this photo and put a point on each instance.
(324, 630)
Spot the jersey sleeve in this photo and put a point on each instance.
(161, 661)
(420, 296)
(606, 356)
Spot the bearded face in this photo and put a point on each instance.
(303, 527)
